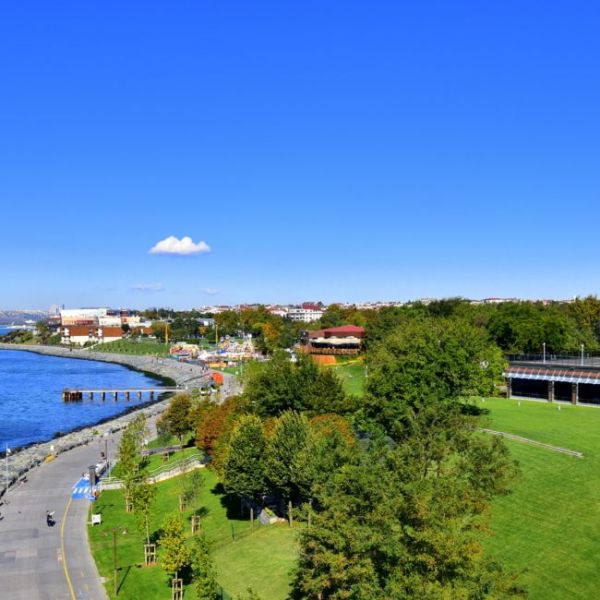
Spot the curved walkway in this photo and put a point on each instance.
(524, 440)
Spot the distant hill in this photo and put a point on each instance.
(18, 317)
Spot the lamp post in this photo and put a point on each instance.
(582, 351)
(544, 352)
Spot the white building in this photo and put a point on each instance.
(304, 315)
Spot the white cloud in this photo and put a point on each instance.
(211, 291)
(148, 287)
(182, 247)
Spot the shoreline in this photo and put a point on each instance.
(168, 371)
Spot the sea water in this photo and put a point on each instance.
(31, 385)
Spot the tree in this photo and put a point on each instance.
(205, 576)
(142, 496)
(279, 385)
(428, 360)
(214, 429)
(43, 331)
(400, 525)
(244, 466)
(192, 484)
(129, 457)
(404, 518)
(174, 554)
(287, 470)
(176, 418)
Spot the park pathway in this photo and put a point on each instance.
(524, 440)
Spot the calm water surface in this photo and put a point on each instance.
(31, 407)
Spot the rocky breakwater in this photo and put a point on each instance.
(183, 375)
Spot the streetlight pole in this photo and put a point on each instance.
(544, 352)
(582, 350)
(6, 451)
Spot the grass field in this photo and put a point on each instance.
(549, 527)
(261, 559)
(139, 347)
(352, 375)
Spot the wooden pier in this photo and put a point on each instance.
(78, 395)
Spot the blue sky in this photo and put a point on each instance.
(322, 150)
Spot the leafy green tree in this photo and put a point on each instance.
(177, 417)
(279, 384)
(331, 445)
(428, 360)
(192, 484)
(143, 495)
(205, 575)
(174, 554)
(244, 466)
(287, 470)
(524, 327)
(129, 457)
(42, 331)
(403, 524)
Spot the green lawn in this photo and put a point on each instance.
(157, 461)
(549, 527)
(261, 559)
(352, 376)
(139, 347)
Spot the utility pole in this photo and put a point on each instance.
(115, 561)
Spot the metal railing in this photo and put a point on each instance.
(162, 472)
(585, 359)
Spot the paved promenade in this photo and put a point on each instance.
(49, 563)
(55, 563)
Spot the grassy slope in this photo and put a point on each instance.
(550, 525)
(235, 559)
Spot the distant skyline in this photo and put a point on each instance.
(193, 153)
